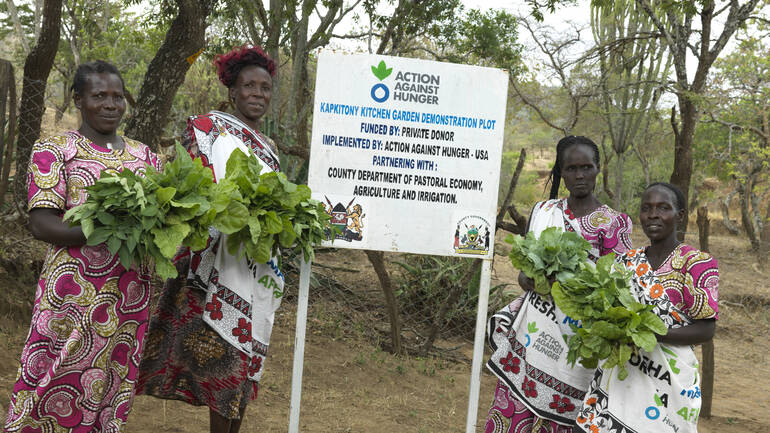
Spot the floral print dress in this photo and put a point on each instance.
(79, 365)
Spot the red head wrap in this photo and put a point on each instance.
(229, 65)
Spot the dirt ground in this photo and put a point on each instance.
(352, 385)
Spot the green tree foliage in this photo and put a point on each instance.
(484, 38)
(18, 20)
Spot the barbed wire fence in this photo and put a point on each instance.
(436, 298)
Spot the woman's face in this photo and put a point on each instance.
(102, 102)
(579, 170)
(251, 92)
(658, 213)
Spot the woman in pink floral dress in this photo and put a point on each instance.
(82, 354)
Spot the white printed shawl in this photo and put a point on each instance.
(662, 391)
(530, 355)
(241, 297)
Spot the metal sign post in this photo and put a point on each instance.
(299, 346)
(478, 346)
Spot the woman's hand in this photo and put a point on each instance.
(47, 225)
(526, 283)
(700, 331)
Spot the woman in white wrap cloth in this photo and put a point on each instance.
(662, 391)
(209, 336)
(537, 391)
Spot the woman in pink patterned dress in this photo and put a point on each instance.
(542, 395)
(81, 358)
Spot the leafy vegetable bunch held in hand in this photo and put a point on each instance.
(149, 217)
(267, 211)
(555, 254)
(614, 324)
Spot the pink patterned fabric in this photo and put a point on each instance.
(511, 416)
(691, 280)
(607, 230)
(82, 354)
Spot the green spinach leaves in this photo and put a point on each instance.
(150, 217)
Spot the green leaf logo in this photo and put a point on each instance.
(658, 401)
(381, 71)
(672, 364)
(532, 327)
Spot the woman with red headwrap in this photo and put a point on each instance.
(209, 335)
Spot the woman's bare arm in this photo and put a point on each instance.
(700, 331)
(47, 225)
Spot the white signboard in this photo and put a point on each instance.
(405, 153)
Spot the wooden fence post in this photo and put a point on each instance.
(707, 348)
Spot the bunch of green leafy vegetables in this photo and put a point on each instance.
(555, 254)
(613, 323)
(267, 212)
(148, 218)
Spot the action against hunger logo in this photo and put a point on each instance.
(419, 87)
(380, 91)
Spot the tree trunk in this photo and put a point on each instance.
(725, 206)
(376, 259)
(703, 228)
(606, 158)
(619, 181)
(707, 351)
(682, 173)
(764, 238)
(744, 193)
(37, 67)
(17, 25)
(66, 99)
(166, 72)
(8, 85)
(756, 215)
(38, 16)
(506, 206)
(273, 50)
(644, 163)
(707, 347)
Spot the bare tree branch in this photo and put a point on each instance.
(511, 190)
(534, 106)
